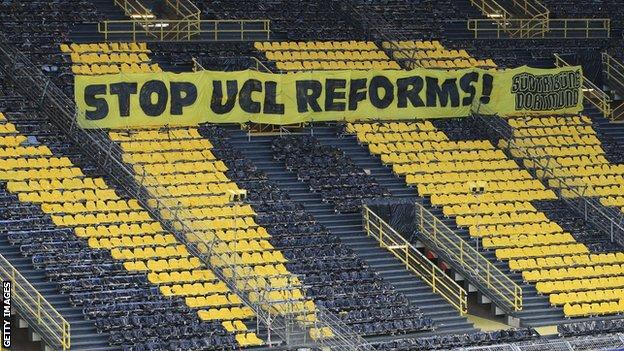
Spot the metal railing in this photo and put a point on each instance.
(185, 9)
(532, 28)
(185, 30)
(492, 9)
(609, 220)
(34, 308)
(107, 156)
(613, 71)
(532, 8)
(134, 9)
(414, 260)
(589, 343)
(503, 291)
(592, 94)
(531, 22)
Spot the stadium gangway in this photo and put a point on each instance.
(184, 30)
(609, 220)
(41, 316)
(592, 94)
(414, 260)
(476, 269)
(533, 18)
(107, 155)
(613, 70)
(531, 28)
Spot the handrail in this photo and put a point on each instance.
(589, 208)
(196, 65)
(107, 155)
(591, 92)
(523, 28)
(260, 64)
(414, 260)
(185, 8)
(186, 30)
(134, 9)
(43, 317)
(614, 74)
(613, 70)
(492, 10)
(533, 9)
(503, 291)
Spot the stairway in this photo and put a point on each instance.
(611, 134)
(537, 310)
(349, 228)
(84, 336)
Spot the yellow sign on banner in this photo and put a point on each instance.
(153, 99)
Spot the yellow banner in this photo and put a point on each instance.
(149, 99)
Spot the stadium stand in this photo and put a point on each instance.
(94, 238)
(177, 165)
(328, 171)
(338, 278)
(127, 277)
(509, 223)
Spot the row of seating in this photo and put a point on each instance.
(95, 233)
(458, 180)
(335, 276)
(327, 170)
(103, 58)
(345, 55)
(237, 257)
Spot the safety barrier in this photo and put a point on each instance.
(592, 94)
(492, 10)
(503, 291)
(185, 30)
(603, 342)
(415, 261)
(613, 71)
(531, 9)
(34, 308)
(134, 9)
(532, 28)
(279, 317)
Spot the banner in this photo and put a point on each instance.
(149, 99)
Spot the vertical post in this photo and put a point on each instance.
(38, 308)
(406, 258)
(461, 252)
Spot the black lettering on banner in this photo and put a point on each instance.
(6, 314)
(332, 93)
(245, 100)
(357, 93)
(308, 92)
(488, 86)
(151, 87)
(465, 83)
(270, 99)
(448, 91)
(183, 94)
(377, 83)
(91, 100)
(216, 102)
(409, 89)
(546, 92)
(123, 91)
